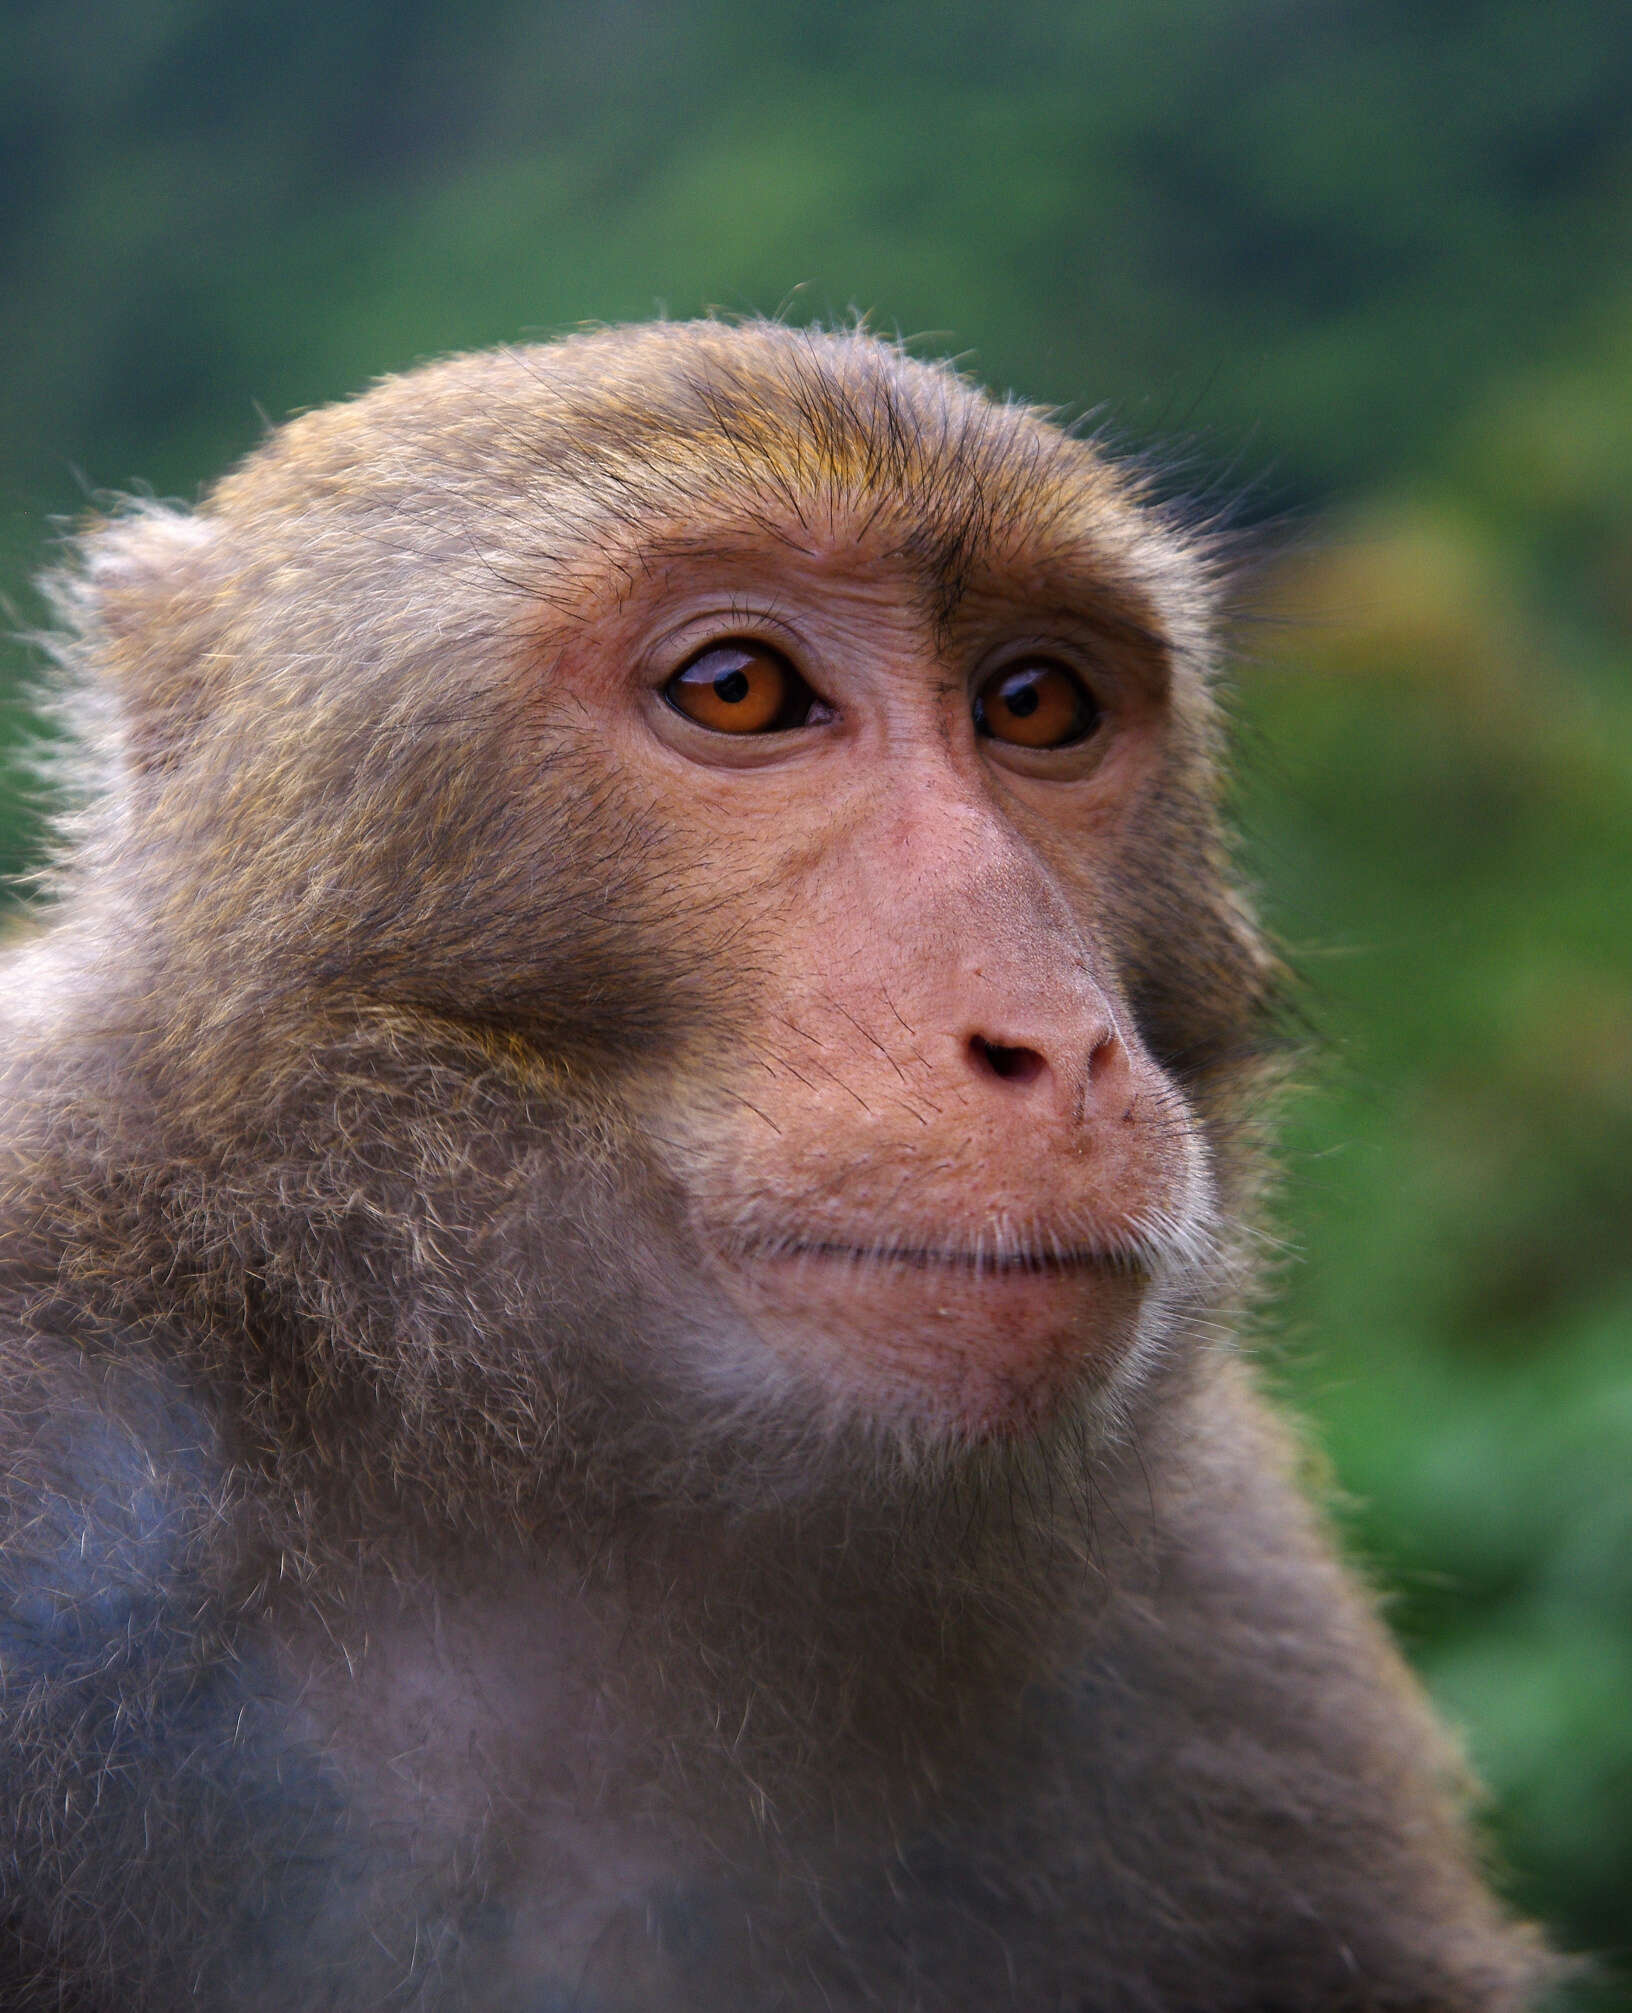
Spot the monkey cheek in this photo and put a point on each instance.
(937, 1351)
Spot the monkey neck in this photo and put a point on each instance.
(791, 1673)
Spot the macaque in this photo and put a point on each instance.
(628, 1156)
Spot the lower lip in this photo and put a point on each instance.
(968, 1351)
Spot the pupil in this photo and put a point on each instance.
(1022, 702)
(731, 686)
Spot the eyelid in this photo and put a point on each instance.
(674, 648)
(1076, 645)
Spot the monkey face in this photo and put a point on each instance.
(927, 1161)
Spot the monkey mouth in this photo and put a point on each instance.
(975, 1337)
(1130, 1261)
(1001, 1259)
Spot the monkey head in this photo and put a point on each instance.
(775, 767)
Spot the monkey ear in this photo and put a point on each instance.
(139, 570)
(142, 603)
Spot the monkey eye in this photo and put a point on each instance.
(1035, 704)
(741, 687)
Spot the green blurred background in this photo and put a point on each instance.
(1361, 267)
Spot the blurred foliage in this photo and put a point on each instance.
(1439, 802)
(1367, 263)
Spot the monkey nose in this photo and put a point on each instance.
(1009, 1063)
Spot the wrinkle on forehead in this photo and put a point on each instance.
(815, 440)
(1071, 582)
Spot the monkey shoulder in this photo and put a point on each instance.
(111, 1497)
(1242, 1743)
(156, 1801)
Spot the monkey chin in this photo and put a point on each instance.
(948, 1349)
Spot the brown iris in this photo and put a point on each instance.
(741, 687)
(1035, 704)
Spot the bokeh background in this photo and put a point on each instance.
(1364, 268)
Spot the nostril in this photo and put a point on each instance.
(1013, 1065)
(1101, 1056)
